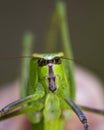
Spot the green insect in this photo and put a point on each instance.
(48, 93)
(48, 96)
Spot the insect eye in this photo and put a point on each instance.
(57, 60)
(42, 62)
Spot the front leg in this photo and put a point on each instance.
(12, 107)
(78, 112)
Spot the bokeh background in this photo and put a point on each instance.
(86, 21)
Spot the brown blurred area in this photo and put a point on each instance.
(86, 21)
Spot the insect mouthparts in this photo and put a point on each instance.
(52, 88)
(52, 85)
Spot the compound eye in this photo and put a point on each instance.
(42, 62)
(57, 60)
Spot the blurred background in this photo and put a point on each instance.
(86, 22)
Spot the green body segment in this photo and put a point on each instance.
(52, 107)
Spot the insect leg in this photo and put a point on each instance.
(94, 110)
(20, 102)
(79, 113)
(17, 112)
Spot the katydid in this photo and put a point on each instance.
(48, 93)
